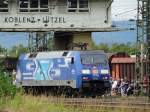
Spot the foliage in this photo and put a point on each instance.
(7, 89)
(29, 103)
(50, 44)
(116, 47)
(17, 50)
(2, 50)
(1, 63)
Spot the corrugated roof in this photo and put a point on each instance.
(123, 60)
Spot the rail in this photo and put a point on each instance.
(123, 103)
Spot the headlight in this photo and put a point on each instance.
(85, 71)
(104, 72)
(105, 78)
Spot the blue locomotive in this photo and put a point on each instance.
(80, 70)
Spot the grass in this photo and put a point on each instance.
(29, 103)
(12, 99)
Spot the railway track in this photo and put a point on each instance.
(122, 103)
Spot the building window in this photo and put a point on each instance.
(23, 5)
(72, 5)
(78, 6)
(33, 6)
(83, 6)
(3, 5)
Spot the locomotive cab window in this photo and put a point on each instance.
(78, 6)
(33, 6)
(94, 59)
(3, 5)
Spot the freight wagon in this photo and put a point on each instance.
(79, 70)
(122, 66)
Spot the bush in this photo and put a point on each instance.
(7, 89)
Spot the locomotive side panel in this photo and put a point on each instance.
(47, 72)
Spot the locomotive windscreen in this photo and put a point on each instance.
(93, 59)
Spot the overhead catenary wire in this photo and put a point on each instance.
(128, 11)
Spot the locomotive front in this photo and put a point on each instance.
(95, 72)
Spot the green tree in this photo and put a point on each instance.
(94, 46)
(116, 47)
(17, 50)
(50, 44)
(2, 50)
(102, 46)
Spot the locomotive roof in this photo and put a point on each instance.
(56, 54)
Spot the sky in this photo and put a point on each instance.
(10, 39)
(122, 10)
(117, 37)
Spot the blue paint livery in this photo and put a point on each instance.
(65, 65)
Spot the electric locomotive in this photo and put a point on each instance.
(80, 70)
